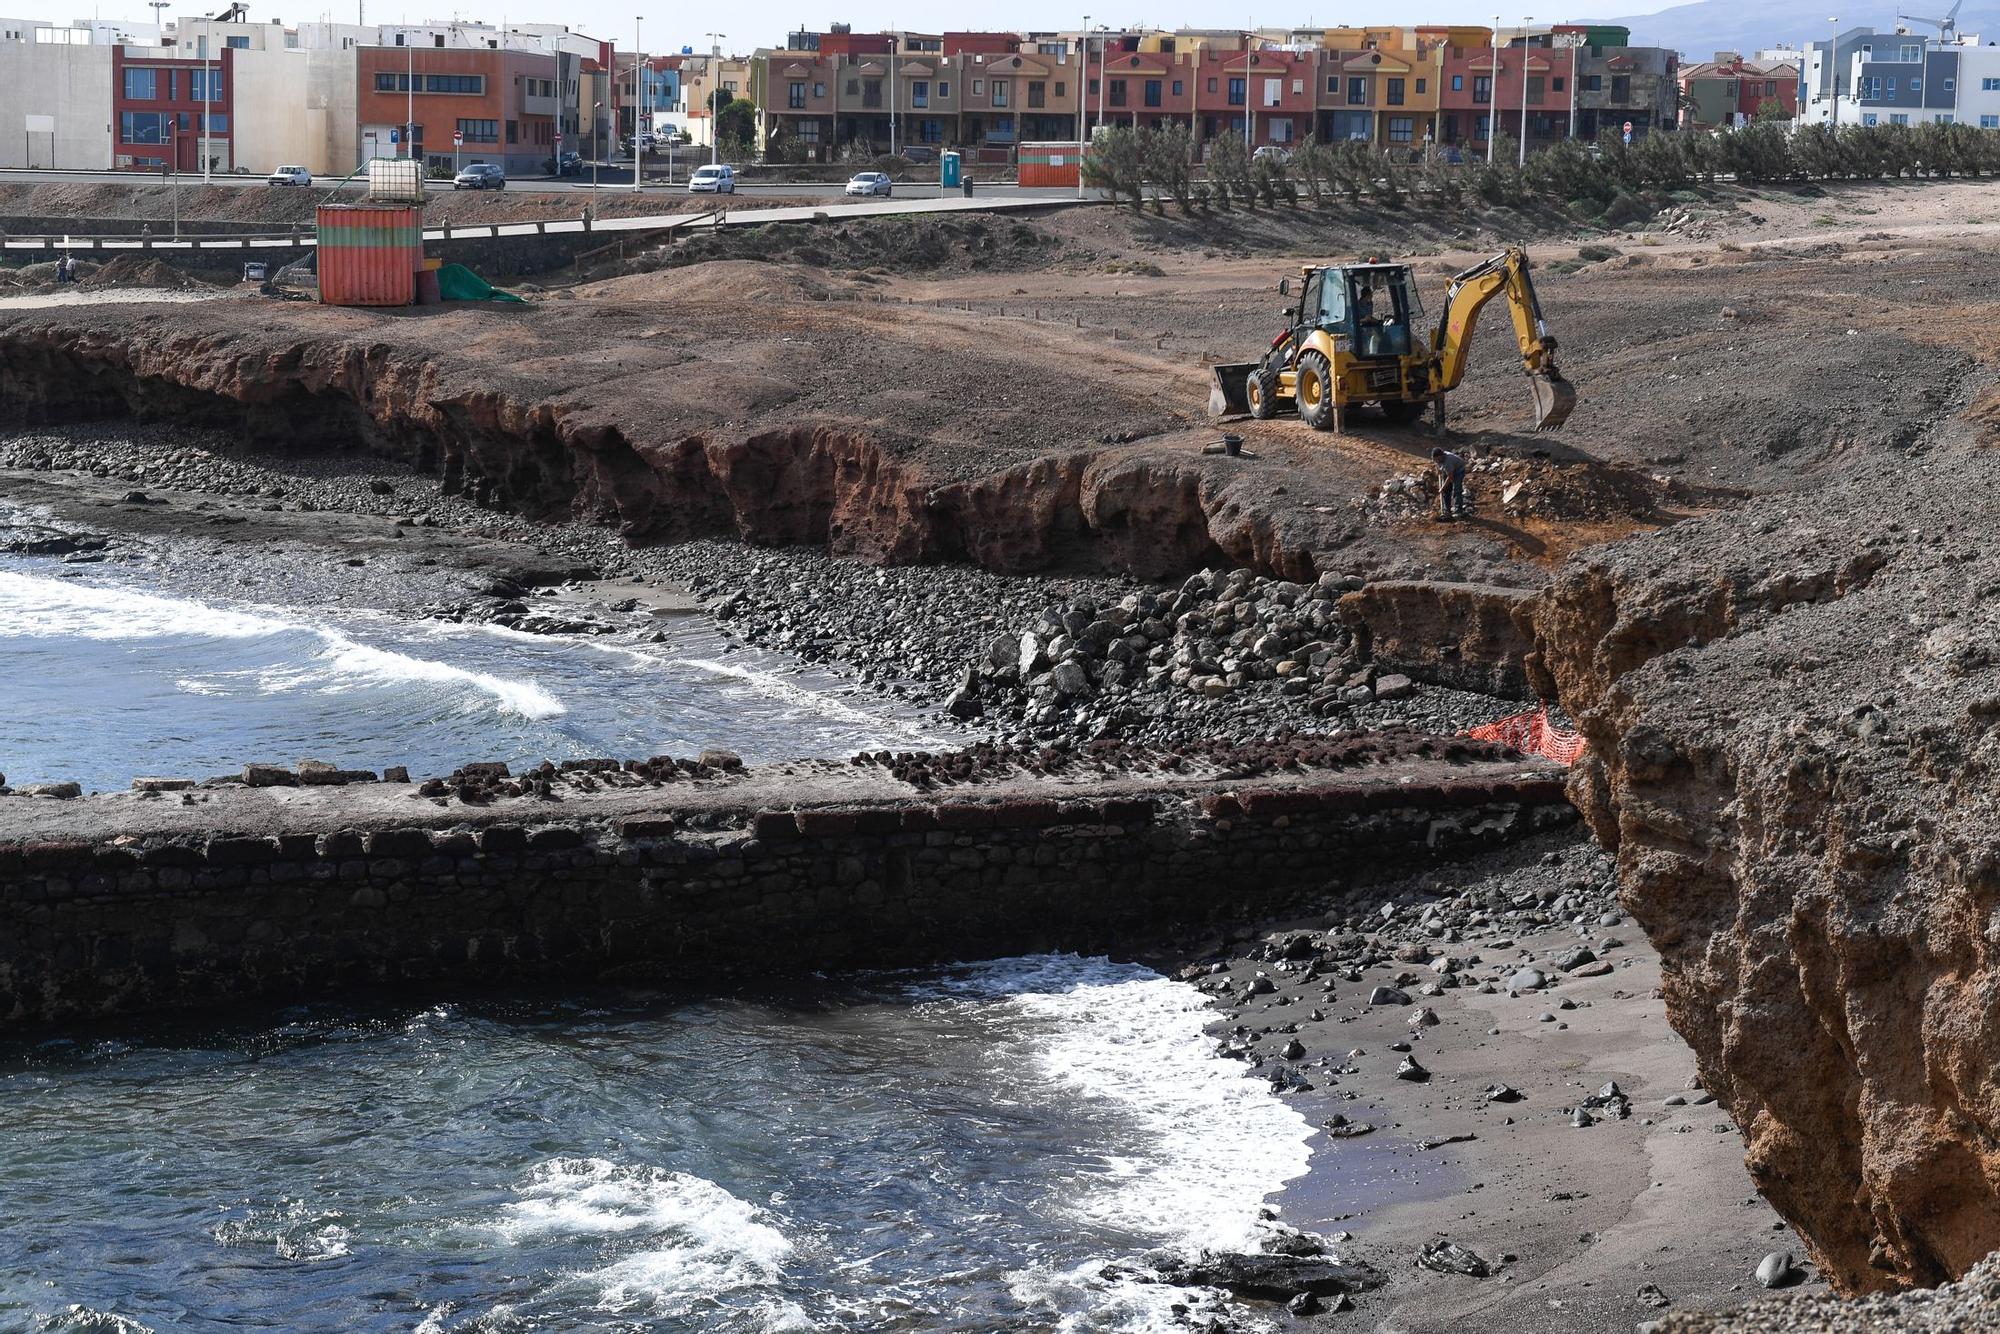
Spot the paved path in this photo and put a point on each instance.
(1001, 199)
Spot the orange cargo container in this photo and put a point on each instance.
(1050, 164)
(369, 254)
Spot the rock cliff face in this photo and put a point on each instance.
(1794, 717)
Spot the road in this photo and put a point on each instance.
(608, 179)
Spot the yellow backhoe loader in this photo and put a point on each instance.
(1357, 335)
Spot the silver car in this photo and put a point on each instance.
(480, 176)
(291, 176)
(870, 183)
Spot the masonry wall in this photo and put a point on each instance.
(70, 83)
(90, 928)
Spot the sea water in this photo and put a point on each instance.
(979, 1148)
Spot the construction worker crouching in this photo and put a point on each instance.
(1451, 483)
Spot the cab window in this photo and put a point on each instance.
(1333, 305)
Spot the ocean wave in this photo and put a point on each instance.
(82, 1319)
(1210, 1145)
(323, 659)
(293, 1231)
(804, 700)
(700, 1242)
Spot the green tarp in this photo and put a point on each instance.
(458, 283)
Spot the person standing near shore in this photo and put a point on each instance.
(1451, 483)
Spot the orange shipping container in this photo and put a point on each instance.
(1049, 164)
(369, 254)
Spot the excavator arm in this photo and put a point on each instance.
(1467, 296)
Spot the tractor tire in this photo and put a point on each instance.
(1260, 391)
(1315, 392)
(1401, 412)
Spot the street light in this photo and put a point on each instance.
(714, 112)
(596, 143)
(1493, 94)
(1833, 71)
(1083, 106)
(1526, 19)
(207, 93)
(638, 108)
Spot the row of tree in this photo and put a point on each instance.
(1138, 165)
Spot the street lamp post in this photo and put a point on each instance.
(1833, 72)
(638, 109)
(894, 44)
(207, 91)
(409, 98)
(1526, 19)
(596, 142)
(1083, 106)
(1493, 94)
(714, 112)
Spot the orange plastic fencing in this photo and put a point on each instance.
(1532, 733)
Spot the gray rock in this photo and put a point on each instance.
(1071, 678)
(1776, 1270)
(269, 775)
(1388, 996)
(1294, 1050)
(1448, 1257)
(1528, 979)
(1410, 1070)
(1394, 686)
(1571, 960)
(60, 791)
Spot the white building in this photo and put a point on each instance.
(55, 104)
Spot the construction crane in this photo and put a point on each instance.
(1357, 336)
(1947, 26)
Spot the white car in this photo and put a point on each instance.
(870, 183)
(291, 176)
(717, 180)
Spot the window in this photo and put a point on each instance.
(143, 127)
(1357, 92)
(920, 93)
(1274, 92)
(854, 87)
(480, 131)
(1479, 125)
(1899, 120)
(1038, 93)
(1211, 85)
(819, 90)
(1060, 90)
(1912, 54)
(1989, 85)
(1238, 91)
(1401, 129)
(944, 90)
(1395, 93)
(1002, 130)
(1916, 85)
(1534, 88)
(237, 43)
(1989, 122)
(1871, 88)
(1951, 85)
(1000, 92)
(930, 131)
(1092, 90)
(1420, 86)
(1482, 89)
(1868, 118)
(1621, 88)
(1555, 84)
(1458, 83)
(1281, 129)
(1298, 87)
(142, 85)
(1942, 118)
(1891, 82)
(217, 124)
(871, 92)
(204, 85)
(472, 85)
(1593, 83)
(1180, 89)
(979, 87)
(795, 96)
(1117, 89)
(1153, 97)
(513, 132)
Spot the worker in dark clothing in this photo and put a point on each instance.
(1451, 483)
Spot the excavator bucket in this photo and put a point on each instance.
(1227, 395)
(1555, 398)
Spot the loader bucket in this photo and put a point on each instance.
(1555, 398)
(1227, 396)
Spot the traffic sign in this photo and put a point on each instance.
(458, 138)
(395, 136)
(558, 138)
(1628, 131)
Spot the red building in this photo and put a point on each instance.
(1480, 83)
(1270, 95)
(1140, 89)
(156, 110)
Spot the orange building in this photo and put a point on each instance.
(502, 104)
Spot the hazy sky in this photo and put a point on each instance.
(765, 24)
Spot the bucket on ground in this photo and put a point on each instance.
(369, 253)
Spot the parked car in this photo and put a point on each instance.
(1273, 153)
(565, 164)
(870, 183)
(480, 176)
(715, 180)
(291, 176)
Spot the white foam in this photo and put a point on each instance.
(1214, 1144)
(774, 686)
(701, 1242)
(35, 607)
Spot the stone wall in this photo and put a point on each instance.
(106, 923)
(1466, 636)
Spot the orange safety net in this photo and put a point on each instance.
(1532, 733)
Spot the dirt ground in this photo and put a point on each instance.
(1744, 347)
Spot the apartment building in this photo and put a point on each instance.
(503, 104)
(158, 103)
(1732, 91)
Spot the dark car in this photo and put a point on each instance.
(480, 176)
(568, 164)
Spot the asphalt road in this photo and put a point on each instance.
(608, 179)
